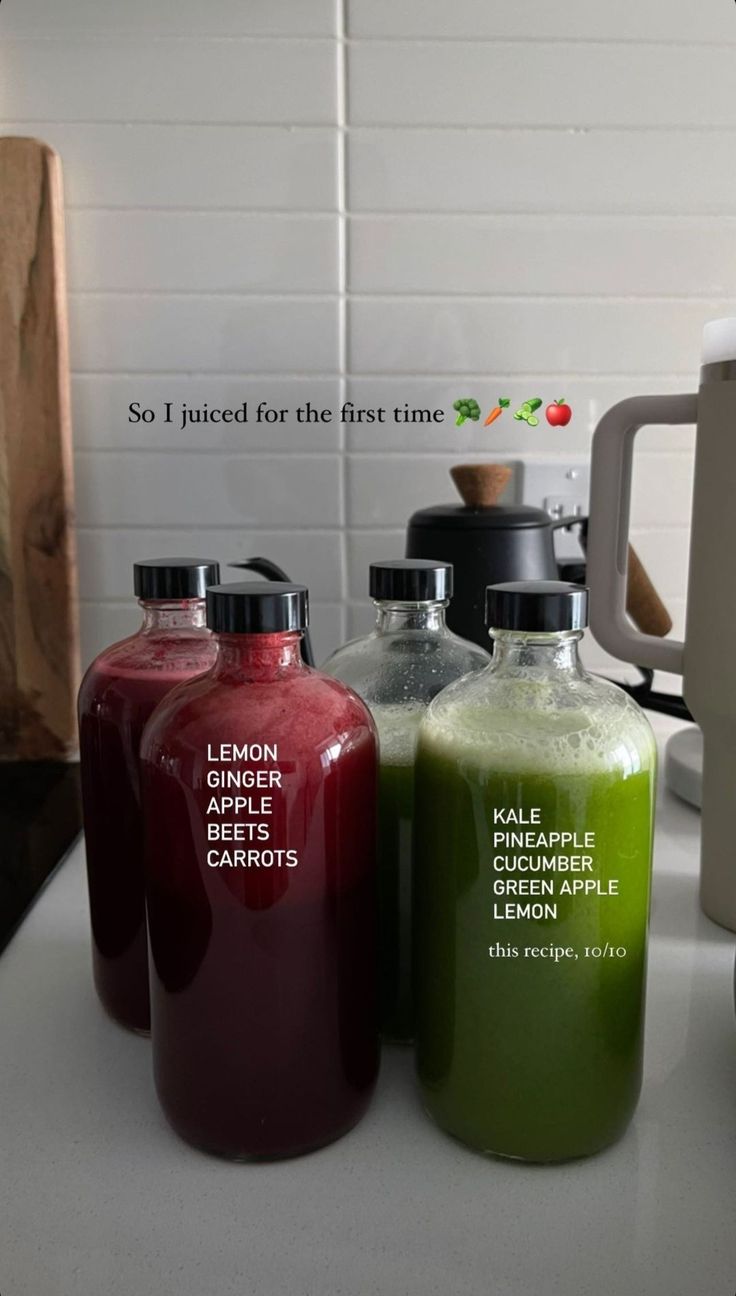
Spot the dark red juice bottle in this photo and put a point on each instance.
(120, 690)
(259, 786)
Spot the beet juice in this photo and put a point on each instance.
(259, 784)
(118, 694)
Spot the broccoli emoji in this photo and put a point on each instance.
(466, 409)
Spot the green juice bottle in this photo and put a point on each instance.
(409, 657)
(532, 859)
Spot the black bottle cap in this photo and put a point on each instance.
(539, 607)
(411, 580)
(174, 578)
(257, 607)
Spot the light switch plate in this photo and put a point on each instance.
(561, 487)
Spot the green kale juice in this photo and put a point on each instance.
(397, 669)
(532, 850)
(397, 731)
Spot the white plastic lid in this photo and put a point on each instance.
(719, 341)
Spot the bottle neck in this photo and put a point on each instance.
(393, 617)
(160, 616)
(537, 655)
(262, 657)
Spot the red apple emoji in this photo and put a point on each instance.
(558, 413)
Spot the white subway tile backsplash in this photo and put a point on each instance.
(384, 492)
(106, 556)
(202, 166)
(532, 83)
(166, 17)
(361, 618)
(145, 251)
(477, 20)
(519, 255)
(100, 404)
(661, 496)
(365, 547)
(667, 438)
(326, 629)
(201, 334)
(519, 335)
(589, 398)
(102, 624)
(169, 80)
(537, 201)
(544, 170)
(274, 492)
(665, 554)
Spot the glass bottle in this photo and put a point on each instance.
(259, 782)
(397, 669)
(118, 693)
(535, 798)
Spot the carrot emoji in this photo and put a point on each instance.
(497, 411)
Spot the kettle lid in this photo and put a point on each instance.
(504, 517)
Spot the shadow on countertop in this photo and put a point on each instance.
(40, 817)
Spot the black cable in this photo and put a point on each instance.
(264, 567)
(646, 696)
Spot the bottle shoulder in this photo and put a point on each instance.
(582, 722)
(104, 663)
(304, 707)
(387, 669)
(184, 653)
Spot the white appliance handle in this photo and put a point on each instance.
(608, 533)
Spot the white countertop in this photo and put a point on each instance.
(99, 1198)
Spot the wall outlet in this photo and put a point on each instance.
(561, 487)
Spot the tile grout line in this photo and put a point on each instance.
(413, 296)
(422, 452)
(107, 36)
(342, 273)
(675, 216)
(434, 375)
(576, 127)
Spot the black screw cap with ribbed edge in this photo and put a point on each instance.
(257, 607)
(537, 607)
(410, 580)
(174, 578)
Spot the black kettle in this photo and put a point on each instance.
(486, 544)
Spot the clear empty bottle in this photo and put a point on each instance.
(397, 669)
(118, 694)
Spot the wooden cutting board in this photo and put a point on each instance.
(38, 596)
